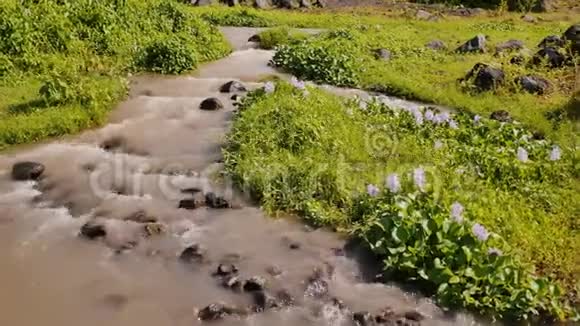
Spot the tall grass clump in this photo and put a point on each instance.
(73, 56)
(476, 212)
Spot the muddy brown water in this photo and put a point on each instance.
(161, 143)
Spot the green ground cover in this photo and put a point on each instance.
(64, 64)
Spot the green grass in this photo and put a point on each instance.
(418, 73)
(65, 63)
(279, 151)
(273, 37)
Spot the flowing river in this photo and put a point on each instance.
(129, 177)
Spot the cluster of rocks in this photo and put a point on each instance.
(264, 299)
(214, 103)
(263, 4)
(554, 51)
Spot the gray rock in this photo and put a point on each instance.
(232, 282)
(306, 3)
(321, 3)
(501, 116)
(256, 283)
(543, 6)
(93, 230)
(226, 270)
(511, 45)
(289, 4)
(551, 56)
(414, 315)
(436, 45)
(529, 19)
(363, 318)
(214, 201)
(383, 54)
(423, 14)
(201, 3)
(572, 36)
(486, 77)
(552, 41)
(476, 44)
(192, 254)
(263, 4)
(217, 311)
(255, 38)
(533, 84)
(211, 104)
(23, 171)
(233, 86)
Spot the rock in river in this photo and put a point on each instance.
(217, 311)
(256, 283)
(193, 253)
(211, 104)
(23, 171)
(93, 230)
(232, 87)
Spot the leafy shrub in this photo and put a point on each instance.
(333, 61)
(457, 260)
(167, 56)
(271, 38)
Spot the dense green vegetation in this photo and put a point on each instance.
(522, 189)
(271, 38)
(415, 71)
(63, 63)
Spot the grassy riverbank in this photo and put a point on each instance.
(64, 64)
(416, 72)
(332, 161)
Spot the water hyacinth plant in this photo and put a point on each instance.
(459, 261)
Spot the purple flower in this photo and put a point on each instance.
(453, 124)
(494, 252)
(393, 183)
(522, 155)
(429, 115)
(418, 117)
(438, 144)
(297, 83)
(269, 88)
(476, 119)
(480, 232)
(419, 178)
(441, 117)
(457, 212)
(372, 190)
(555, 154)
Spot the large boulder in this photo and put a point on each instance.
(572, 36)
(485, 77)
(533, 84)
(476, 44)
(551, 56)
(23, 171)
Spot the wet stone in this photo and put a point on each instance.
(501, 116)
(211, 104)
(264, 301)
(254, 38)
(285, 298)
(256, 283)
(214, 201)
(113, 143)
(414, 315)
(141, 216)
(233, 283)
(93, 230)
(153, 229)
(24, 171)
(294, 245)
(386, 315)
(226, 269)
(217, 311)
(189, 203)
(232, 87)
(274, 271)
(192, 254)
(316, 287)
(115, 301)
(363, 318)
